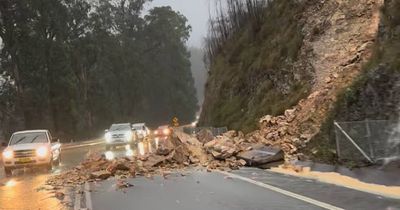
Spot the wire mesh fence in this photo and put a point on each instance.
(369, 140)
(214, 131)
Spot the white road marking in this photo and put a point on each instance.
(284, 192)
(82, 145)
(78, 197)
(88, 196)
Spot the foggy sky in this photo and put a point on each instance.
(197, 13)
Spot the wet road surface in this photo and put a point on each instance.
(22, 190)
(199, 189)
(339, 196)
(196, 190)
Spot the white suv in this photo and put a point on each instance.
(30, 149)
(119, 134)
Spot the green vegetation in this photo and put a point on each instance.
(251, 71)
(374, 94)
(76, 67)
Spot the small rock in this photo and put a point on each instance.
(100, 175)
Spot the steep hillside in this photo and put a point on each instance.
(299, 45)
(335, 39)
(375, 93)
(260, 70)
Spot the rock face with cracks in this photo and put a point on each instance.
(347, 33)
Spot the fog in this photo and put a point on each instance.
(197, 13)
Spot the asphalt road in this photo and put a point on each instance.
(247, 188)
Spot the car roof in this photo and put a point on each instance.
(139, 124)
(121, 124)
(31, 131)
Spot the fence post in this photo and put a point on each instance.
(371, 148)
(354, 143)
(337, 142)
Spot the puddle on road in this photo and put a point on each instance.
(20, 192)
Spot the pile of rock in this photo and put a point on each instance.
(234, 149)
(229, 151)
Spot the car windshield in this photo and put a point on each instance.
(137, 127)
(28, 138)
(120, 127)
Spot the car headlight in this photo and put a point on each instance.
(8, 154)
(42, 152)
(166, 131)
(107, 136)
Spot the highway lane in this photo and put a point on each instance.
(22, 190)
(196, 190)
(247, 188)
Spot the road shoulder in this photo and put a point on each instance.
(329, 193)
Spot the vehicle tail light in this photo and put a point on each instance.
(166, 131)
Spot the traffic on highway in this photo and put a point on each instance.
(49, 176)
(199, 104)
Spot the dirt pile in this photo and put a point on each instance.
(172, 154)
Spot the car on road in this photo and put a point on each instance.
(163, 131)
(31, 148)
(142, 131)
(119, 135)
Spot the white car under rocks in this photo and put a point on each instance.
(31, 148)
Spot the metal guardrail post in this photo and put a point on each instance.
(354, 143)
(337, 143)
(371, 148)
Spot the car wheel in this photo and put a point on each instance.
(8, 171)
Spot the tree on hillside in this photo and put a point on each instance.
(75, 67)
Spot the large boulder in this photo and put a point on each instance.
(115, 165)
(204, 136)
(222, 147)
(261, 155)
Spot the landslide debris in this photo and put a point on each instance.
(176, 153)
(335, 38)
(347, 33)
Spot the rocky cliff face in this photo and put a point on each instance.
(337, 39)
(375, 93)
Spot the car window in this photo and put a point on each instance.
(120, 127)
(28, 138)
(137, 127)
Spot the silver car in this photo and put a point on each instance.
(119, 134)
